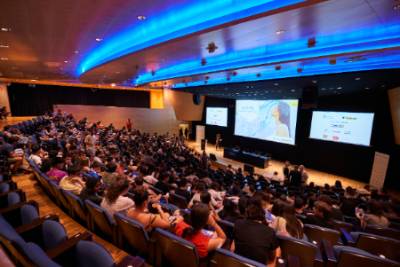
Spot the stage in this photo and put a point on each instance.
(318, 177)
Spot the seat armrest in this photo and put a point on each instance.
(329, 254)
(347, 238)
(14, 190)
(35, 224)
(68, 244)
(131, 261)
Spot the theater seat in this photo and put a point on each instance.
(101, 221)
(53, 234)
(345, 256)
(316, 234)
(37, 256)
(89, 254)
(174, 251)
(178, 200)
(11, 197)
(377, 245)
(383, 231)
(133, 236)
(77, 206)
(223, 257)
(308, 253)
(29, 213)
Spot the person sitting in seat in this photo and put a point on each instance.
(73, 181)
(92, 185)
(205, 241)
(141, 213)
(56, 172)
(114, 200)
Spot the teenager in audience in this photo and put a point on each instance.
(253, 238)
(114, 199)
(56, 172)
(183, 189)
(36, 155)
(110, 174)
(293, 226)
(204, 241)
(90, 191)
(322, 215)
(229, 212)
(374, 216)
(73, 181)
(141, 214)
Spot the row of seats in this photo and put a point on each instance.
(166, 249)
(43, 242)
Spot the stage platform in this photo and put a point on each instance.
(318, 177)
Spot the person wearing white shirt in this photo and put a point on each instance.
(114, 200)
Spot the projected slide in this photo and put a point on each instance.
(343, 127)
(272, 120)
(217, 116)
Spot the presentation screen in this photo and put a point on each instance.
(342, 127)
(217, 116)
(272, 120)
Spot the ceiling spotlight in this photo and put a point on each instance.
(76, 51)
(276, 84)
(279, 32)
(311, 42)
(357, 78)
(339, 88)
(293, 90)
(141, 17)
(113, 84)
(33, 80)
(99, 39)
(366, 88)
(4, 58)
(4, 46)
(211, 47)
(4, 29)
(314, 81)
(65, 61)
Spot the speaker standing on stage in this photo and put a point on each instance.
(218, 141)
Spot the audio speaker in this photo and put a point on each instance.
(196, 99)
(310, 97)
(213, 157)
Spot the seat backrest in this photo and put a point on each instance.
(37, 256)
(228, 228)
(76, 203)
(338, 225)
(305, 251)
(223, 257)
(4, 187)
(13, 198)
(317, 234)
(53, 234)
(89, 254)
(176, 251)
(377, 245)
(178, 200)
(383, 231)
(29, 213)
(347, 257)
(133, 232)
(101, 219)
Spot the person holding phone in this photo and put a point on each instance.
(141, 214)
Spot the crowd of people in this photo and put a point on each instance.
(125, 170)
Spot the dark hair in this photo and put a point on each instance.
(182, 182)
(35, 148)
(293, 225)
(243, 200)
(324, 209)
(298, 203)
(198, 219)
(140, 196)
(277, 208)
(205, 197)
(375, 208)
(111, 167)
(116, 189)
(254, 210)
(230, 208)
(74, 169)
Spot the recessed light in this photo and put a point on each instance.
(113, 84)
(314, 81)
(141, 17)
(279, 32)
(339, 88)
(357, 79)
(4, 46)
(276, 84)
(65, 61)
(4, 58)
(99, 39)
(323, 88)
(76, 51)
(366, 88)
(33, 80)
(293, 90)
(4, 29)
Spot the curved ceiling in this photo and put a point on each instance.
(170, 42)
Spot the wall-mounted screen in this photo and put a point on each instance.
(343, 127)
(217, 116)
(272, 120)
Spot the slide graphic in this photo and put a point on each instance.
(217, 116)
(343, 127)
(272, 120)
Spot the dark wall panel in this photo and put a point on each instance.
(32, 100)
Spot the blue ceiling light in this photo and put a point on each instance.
(178, 22)
(321, 66)
(376, 38)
